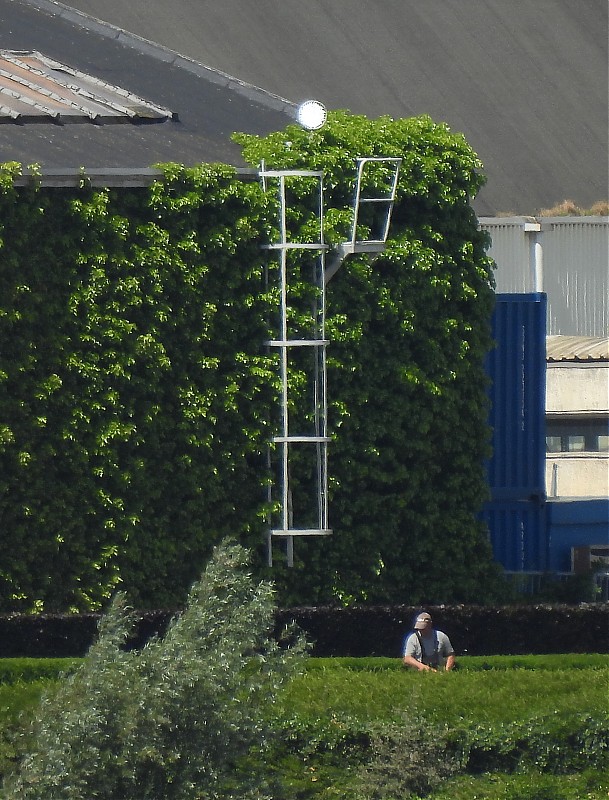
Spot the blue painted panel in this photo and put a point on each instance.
(516, 367)
(516, 471)
(572, 523)
(517, 534)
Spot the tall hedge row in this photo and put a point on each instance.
(357, 631)
(137, 397)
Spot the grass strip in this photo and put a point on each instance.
(18, 670)
(469, 697)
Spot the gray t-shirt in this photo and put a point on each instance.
(436, 648)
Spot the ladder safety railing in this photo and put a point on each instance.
(381, 201)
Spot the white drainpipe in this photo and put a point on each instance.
(533, 231)
(554, 488)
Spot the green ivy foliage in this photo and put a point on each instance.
(135, 388)
(137, 397)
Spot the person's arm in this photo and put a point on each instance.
(447, 651)
(412, 653)
(411, 661)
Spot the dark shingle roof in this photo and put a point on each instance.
(208, 106)
(525, 82)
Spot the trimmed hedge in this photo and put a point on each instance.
(475, 630)
(30, 670)
(354, 631)
(66, 635)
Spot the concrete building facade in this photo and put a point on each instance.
(577, 417)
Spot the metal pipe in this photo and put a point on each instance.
(533, 231)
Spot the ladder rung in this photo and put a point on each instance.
(297, 342)
(376, 200)
(290, 173)
(296, 246)
(305, 439)
(301, 532)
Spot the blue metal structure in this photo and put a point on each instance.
(572, 523)
(516, 513)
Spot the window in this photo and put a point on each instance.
(583, 435)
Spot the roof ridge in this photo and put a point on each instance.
(172, 57)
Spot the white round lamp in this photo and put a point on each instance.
(311, 115)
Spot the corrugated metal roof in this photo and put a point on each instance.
(34, 88)
(577, 348)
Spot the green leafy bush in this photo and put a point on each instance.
(557, 743)
(135, 402)
(182, 718)
(18, 702)
(408, 759)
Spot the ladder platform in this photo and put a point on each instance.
(385, 198)
(301, 532)
(362, 246)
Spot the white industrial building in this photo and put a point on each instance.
(577, 416)
(567, 258)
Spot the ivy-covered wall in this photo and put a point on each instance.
(137, 397)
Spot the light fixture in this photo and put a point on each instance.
(311, 115)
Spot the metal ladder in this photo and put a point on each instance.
(286, 443)
(311, 351)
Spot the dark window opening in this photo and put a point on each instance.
(577, 435)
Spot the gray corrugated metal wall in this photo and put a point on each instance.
(575, 268)
(516, 472)
(576, 275)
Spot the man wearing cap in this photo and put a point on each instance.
(427, 649)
